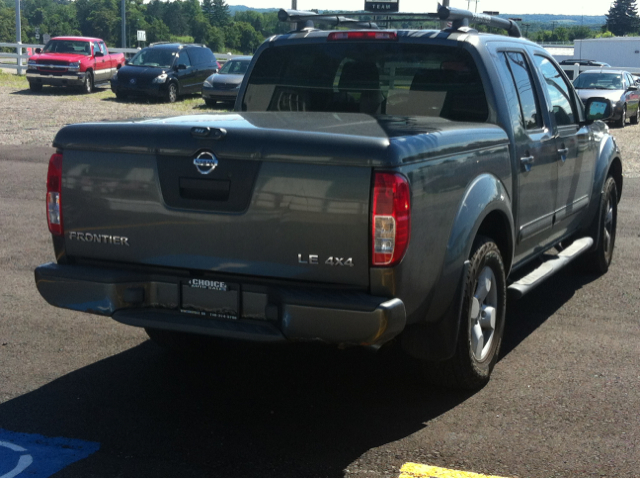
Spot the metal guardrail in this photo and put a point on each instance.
(25, 50)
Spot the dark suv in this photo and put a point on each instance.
(165, 70)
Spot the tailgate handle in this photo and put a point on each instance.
(194, 189)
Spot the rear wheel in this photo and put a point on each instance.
(634, 119)
(35, 86)
(172, 93)
(210, 103)
(482, 322)
(121, 96)
(87, 84)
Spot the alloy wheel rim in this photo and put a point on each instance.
(484, 314)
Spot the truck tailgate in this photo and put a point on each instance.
(286, 220)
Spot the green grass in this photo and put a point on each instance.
(13, 80)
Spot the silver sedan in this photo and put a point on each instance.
(224, 85)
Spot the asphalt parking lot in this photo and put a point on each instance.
(83, 396)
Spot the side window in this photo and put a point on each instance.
(96, 47)
(519, 72)
(559, 92)
(629, 80)
(183, 58)
(194, 55)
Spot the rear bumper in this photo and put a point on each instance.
(75, 79)
(266, 313)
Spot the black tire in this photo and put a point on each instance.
(598, 260)
(172, 92)
(179, 342)
(623, 118)
(482, 322)
(634, 119)
(210, 103)
(33, 86)
(87, 84)
(121, 96)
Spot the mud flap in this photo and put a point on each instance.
(437, 341)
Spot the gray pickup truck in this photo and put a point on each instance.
(372, 187)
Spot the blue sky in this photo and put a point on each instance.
(566, 7)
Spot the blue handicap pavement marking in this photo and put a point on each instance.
(33, 455)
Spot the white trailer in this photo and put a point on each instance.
(623, 52)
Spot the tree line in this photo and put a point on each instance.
(211, 23)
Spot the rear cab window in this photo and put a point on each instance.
(374, 78)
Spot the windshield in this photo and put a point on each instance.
(374, 78)
(235, 67)
(68, 46)
(153, 57)
(598, 81)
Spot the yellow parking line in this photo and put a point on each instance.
(411, 469)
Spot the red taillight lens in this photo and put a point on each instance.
(54, 190)
(390, 219)
(362, 36)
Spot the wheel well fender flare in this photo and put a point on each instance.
(608, 162)
(485, 209)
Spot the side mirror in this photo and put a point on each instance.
(98, 54)
(182, 66)
(38, 50)
(126, 62)
(632, 88)
(598, 109)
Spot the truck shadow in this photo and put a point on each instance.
(530, 312)
(241, 412)
(250, 411)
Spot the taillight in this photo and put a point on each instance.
(362, 36)
(54, 190)
(390, 218)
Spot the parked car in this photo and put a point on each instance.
(224, 85)
(72, 61)
(165, 70)
(616, 85)
(583, 62)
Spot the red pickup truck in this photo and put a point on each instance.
(73, 61)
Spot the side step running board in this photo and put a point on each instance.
(552, 265)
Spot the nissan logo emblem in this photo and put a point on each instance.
(205, 162)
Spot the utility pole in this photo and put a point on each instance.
(19, 37)
(124, 24)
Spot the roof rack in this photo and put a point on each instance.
(460, 19)
(305, 19)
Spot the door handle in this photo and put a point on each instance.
(563, 153)
(527, 161)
